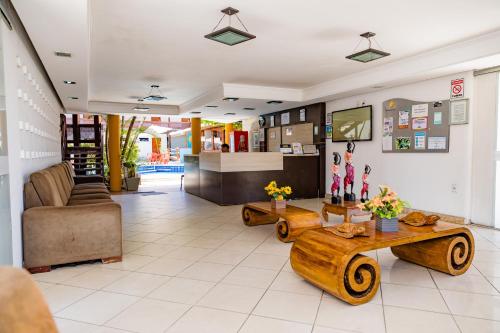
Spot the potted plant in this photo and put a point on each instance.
(386, 207)
(131, 180)
(278, 194)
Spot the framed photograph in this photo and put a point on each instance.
(255, 139)
(459, 111)
(403, 143)
(271, 121)
(302, 115)
(285, 118)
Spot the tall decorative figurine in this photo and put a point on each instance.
(349, 169)
(336, 199)
(364, 188)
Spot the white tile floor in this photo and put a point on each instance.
(192, 266)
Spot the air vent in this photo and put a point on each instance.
(63, 54)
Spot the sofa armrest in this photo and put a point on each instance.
(88, 179)
(58, 235)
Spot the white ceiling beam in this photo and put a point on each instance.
(101, 107)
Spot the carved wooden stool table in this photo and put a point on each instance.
(346, 209)
(336, 265)
(294, 220)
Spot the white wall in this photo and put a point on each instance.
(423, 179)
(33, 126)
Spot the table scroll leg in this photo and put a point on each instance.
(289, 230)
(253, 217)
(354, 279)
(451, 254)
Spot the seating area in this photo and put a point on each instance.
(66, 222)
(249, 166)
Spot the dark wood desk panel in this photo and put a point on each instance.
(192, 174)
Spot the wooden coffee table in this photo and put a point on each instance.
(346, 209)
(290, 221)
(336, 265)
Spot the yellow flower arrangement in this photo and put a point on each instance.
(278, 193)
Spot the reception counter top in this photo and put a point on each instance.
(237, 178)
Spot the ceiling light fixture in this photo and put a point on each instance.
(140, 106)
(229, 114)
(195, 112)
(230, 99)
(249, 109)
(72, 97)
(369, 54)
(69, 82)
(154, 94)
(63, 54)
(229, 35)
(274, 102)
(212, 106)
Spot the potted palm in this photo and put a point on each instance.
(131, 179)
(278, 194)
(386, 207)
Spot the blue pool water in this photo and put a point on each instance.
(161, 168)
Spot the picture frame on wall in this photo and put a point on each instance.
(285, 118)
(459, 111)
(255, 139)
(271, 121)
(302, 115)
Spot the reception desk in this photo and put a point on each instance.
(237, 178)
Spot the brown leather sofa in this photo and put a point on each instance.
(64, 222)
(22, 306)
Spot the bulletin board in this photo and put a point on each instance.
(415, 127)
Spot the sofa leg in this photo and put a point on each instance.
(111, 259)
(42, 269)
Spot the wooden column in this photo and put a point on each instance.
(115, 178)
(196, 135)
(228, 128)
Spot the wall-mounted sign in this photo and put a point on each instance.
(459, 112)
(285, 118)
(271, 122)
(302, 115)
(329, 118)
(457, 88)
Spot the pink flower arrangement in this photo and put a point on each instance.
(385, 205)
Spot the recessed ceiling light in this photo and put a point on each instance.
(211, 106)
(274, 102)
(377, 87)
(195, 112)
(63, 54)
(230, 99)
(229, 114)
(141, 108)
(369, 54)
(72, 97)
(249, 109)
(69, 82)
(229, 35)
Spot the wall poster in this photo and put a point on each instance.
(420, 140)
(419, 123)
(285, 118)
(404, 117)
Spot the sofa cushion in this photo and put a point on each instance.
(77, 202)
(63, 190)
(46, 188)
(78, 191)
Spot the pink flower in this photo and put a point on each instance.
(377, 202)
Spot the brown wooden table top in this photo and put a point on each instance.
(378, 240)
(265, 207)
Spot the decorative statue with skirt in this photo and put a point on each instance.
(364, 178)
(336, 199)
(349, 169)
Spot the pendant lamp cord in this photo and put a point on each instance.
(223, 15)
(241, 22)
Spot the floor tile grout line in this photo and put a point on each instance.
(264, 293)
(486, 278)
(446, 303)
(215, 285)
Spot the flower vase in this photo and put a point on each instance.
(278, 204)
(386, 225)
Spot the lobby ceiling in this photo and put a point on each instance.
(300, 45)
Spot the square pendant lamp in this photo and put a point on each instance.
(370, 53)
(230, 35)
